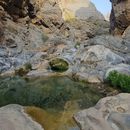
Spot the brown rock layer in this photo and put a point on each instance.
(120, 16)
(21, 8)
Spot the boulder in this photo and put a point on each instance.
(100, 54)
(115, 43)
(13, 117)
(110, 113)
(87, 77)
(59, 65)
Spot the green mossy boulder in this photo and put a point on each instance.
(59, 65)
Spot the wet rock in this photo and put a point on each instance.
(13, 117)
(110, 113)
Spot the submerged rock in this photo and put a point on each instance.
(110, 113)
(13, 117)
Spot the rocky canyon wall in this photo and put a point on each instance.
(82, 9)
(120, 16)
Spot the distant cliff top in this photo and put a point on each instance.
(82, 9)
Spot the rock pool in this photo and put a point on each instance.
(50, 101)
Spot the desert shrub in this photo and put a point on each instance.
(117, 79)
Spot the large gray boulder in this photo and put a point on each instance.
(110, 113)
(114, 43)
(100, 54)
(13, 117)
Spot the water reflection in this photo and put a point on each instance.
(56, 99)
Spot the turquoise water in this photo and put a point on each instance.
(52, 92)
(51, 100)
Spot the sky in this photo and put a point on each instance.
(104, 6)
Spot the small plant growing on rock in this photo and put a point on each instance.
(117, 79)
(28, 66)
(23, 70)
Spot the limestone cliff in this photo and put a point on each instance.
(82, 9)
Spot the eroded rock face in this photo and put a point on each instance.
(13, 117)
(2, 14)
(120, 16)
(120, 68)
(110, 113)
(21, 8)
(16, 42)
(126, 36)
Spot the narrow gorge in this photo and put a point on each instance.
(63, 66)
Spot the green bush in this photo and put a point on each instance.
(117, 79)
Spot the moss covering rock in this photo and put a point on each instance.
(59, 65)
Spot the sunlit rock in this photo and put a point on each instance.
(110, 113)
(82, 9)
(13, 117)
